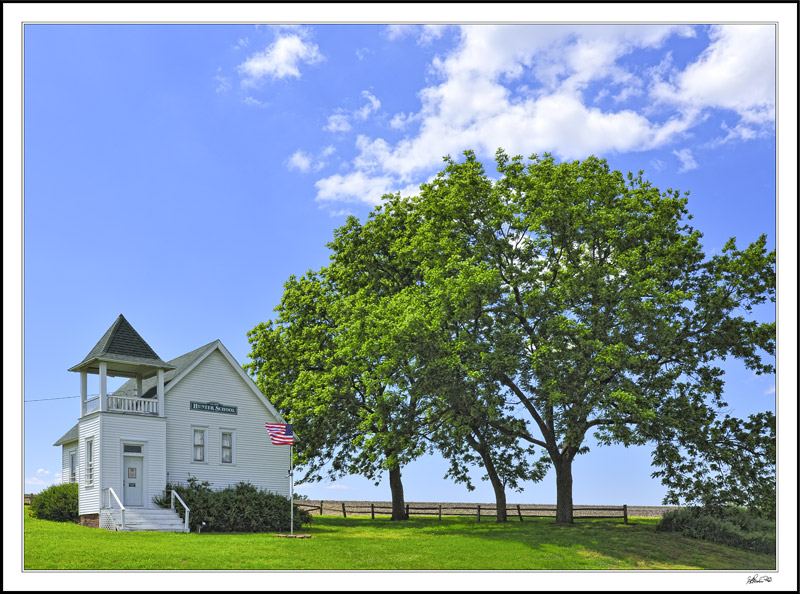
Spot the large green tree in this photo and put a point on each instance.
(601, 312)
(339, 360)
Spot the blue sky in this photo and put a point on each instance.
(181, 174)
(178, 174)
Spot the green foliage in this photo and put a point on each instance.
(732, 526)
(589, 299)
(721, 462)
(240, 508)
(485, 318)
(58, 503)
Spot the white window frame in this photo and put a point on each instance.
(204, 429)
(89, 482)
(72, 465)
(233, 446)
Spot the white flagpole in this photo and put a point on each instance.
(291, 490)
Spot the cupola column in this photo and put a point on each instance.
(84, 390)
(138, 385)
(103, 386)
(160, 392)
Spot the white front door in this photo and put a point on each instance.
(133, 480)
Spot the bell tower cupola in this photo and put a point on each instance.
(121, 352)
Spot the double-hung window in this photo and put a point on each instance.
(199, 443)
(227, 444)
(89, 462)
(73, 467)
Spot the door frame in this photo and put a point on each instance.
(143, 457)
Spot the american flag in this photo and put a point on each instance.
(280, 434)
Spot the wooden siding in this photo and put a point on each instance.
(136, 429)
(65, 450)
(89, 497)
(256, 460)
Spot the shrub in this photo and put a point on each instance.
(733, 526)
(241, 508)
(58, 503)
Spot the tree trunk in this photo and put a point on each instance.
(499, 494)
(398, 501)
(564, 490)
(497, 484)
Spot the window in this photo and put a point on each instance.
(89, 462)
(199, 444)
(131, 449)
(73, 467)
(227, 442)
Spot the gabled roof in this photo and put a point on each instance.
(178, 365)
(122, 346)
(184, 364)
(71, 435)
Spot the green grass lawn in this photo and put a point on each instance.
(362, 543)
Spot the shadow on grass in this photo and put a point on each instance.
(588, 544)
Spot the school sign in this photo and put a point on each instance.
(213, 407)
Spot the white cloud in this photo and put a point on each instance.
(740, 131)
(356, 186)
(304, 162)
(338, 122)
(430, 33)
(42, 471)
(770, 390)
(300, 161)
(394, 32)
(425, 34)
(362, 52)
(687, 160)
(337, 486)
(279, 60)
(242, 43)
(369, 107)
(736, 72)
(471, 106)
(35, 481)
(254, 102)
(223, 83)
(522, 88)
(400, 120)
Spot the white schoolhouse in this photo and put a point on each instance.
(196, 415)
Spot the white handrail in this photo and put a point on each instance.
(172, 506)
(121, 507)
(134, 404)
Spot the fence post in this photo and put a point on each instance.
(440, 511)
(344, 511)
(372, 508)
(321, 504)
(519, 513)
(479, 512)
(625, 512)
(406, 511)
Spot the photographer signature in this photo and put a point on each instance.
(754, 579)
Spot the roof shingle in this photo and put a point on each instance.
(122, 343)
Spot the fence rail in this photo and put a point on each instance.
(477, 510)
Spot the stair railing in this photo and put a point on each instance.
(172, 506)
(121, 507)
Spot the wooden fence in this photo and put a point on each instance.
(469, 510)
